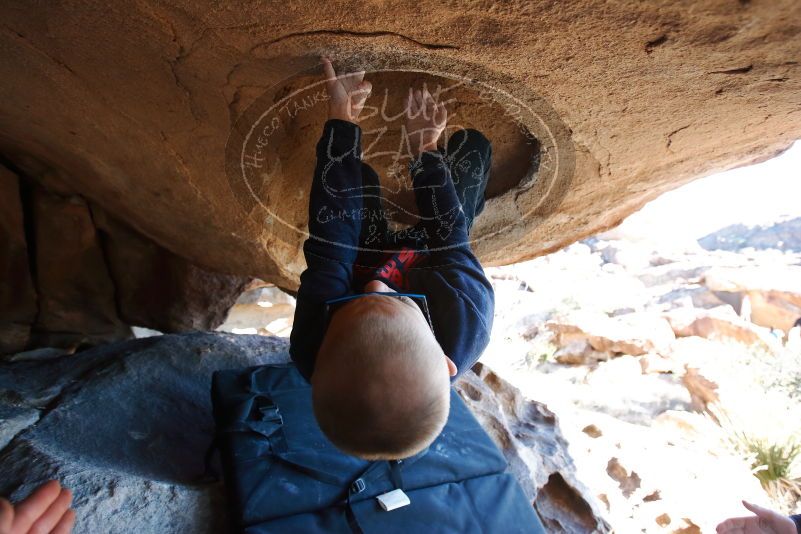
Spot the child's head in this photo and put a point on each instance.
(381, 383)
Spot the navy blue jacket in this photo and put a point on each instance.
(459, 296)
(797, 519)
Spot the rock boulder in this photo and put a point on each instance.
(74, 275)
(17, 295)
(771, 296)
(634, 334)
(720, 324)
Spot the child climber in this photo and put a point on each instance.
(385, 321)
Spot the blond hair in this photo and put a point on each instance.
(380, 389)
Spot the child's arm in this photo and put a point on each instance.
(440, 211)
(330, 248)
(335, 205)
(439, 208)
(335, 199)
(463, 314)
(465, 299)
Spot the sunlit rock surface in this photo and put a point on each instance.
(662, 436)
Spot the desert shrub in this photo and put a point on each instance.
(772, 461)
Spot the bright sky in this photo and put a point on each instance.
(757, 194)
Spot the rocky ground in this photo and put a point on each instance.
(656, 379)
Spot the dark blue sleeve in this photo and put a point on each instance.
(462, 299)
(797, 520)
(335, 205)
(464, 305)
(438, 205)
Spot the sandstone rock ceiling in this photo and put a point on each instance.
(593, 108)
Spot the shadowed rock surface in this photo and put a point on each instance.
(126, 427)
(74, 276)
(17, 294)
(528, 434)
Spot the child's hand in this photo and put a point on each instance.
(425, 120)
(764, 522)
(45, 510)
(347, 93)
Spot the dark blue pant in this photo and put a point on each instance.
(468, 155)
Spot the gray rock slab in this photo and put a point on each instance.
(126, 427)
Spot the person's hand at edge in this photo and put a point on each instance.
(765, 521)
(44, 510)
(425, 120)
(347, 92)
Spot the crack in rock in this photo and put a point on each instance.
(352, 33)
(738, 70)
(650, 45)
(671, 134)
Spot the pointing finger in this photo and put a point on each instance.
(430, 97)
(328, 69)
(758, 510)
(442, 115)
(430, 106)
(360, 95)
(330, 74)
(351, 80)
(430, 102)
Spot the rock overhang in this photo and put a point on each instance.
(136, 111)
